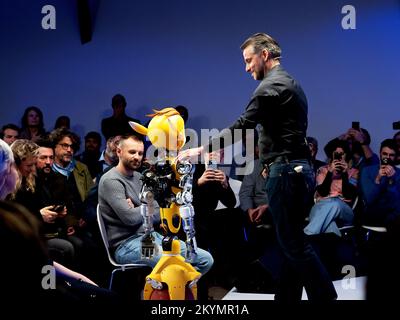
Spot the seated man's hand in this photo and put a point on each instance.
(256, 214)
(48, 215)
(70, 231)
(130, 203)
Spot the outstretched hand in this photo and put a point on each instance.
(189, 154)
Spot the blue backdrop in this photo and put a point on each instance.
(159, 53)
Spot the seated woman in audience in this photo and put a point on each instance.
(335, 192)
(32, 125)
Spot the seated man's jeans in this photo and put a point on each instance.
(129, 251)
(289, 194)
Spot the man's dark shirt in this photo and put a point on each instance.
(279, 105)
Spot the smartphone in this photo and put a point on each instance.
(355, 125)
(58, 208)
(337, 156)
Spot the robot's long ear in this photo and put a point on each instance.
(138, 128)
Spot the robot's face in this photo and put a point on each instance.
(167, 132)
(166, 129)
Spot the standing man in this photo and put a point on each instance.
(117, 124)
(279, 106)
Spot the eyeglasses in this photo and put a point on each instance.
(65, 146)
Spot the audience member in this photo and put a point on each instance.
(359, 145)
(313, 144)
(77, 182)
(62, 122)
(117, 124)
(183, 111)
(50, 193)
(9, 133)
(90, 156)
(32, 124)
(380, 188)
(25, 153)
(9, 177)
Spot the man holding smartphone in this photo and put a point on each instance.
(380, 188)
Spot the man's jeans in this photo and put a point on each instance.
(129, 251)
(289, 194)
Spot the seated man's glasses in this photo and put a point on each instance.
(65, 146)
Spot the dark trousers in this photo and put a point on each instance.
(289, 194)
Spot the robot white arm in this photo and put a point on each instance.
(186, 210)
(149, 247)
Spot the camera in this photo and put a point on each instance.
(396, 125)
(387, 162)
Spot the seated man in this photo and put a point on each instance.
(119, 205)
(380, 188)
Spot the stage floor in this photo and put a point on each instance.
(347, 289)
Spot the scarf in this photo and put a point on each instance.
(64, 171)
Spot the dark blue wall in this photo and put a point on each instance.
(168, 52)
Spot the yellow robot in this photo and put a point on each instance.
(169, 182)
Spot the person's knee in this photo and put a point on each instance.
(206, 261)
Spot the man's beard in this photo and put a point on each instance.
(45, 170)
(131, 165)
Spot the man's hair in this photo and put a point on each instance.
(261, 41)
(128, 136)
(9, 126)
(183, 111)
(62, 119)
(93, 135)
(45, 142)
(313, 141)
(389, 143)
(57, 135)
